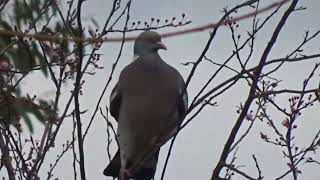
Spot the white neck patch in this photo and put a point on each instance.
(135, 57)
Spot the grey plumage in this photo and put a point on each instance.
(149, 107)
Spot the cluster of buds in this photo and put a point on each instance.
(155, 23)
(286, 123)
(5, 66)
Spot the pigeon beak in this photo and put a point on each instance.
(161, 45)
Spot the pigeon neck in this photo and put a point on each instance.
(145, 49)
(146, 56)
(144, 52)
(135, 57)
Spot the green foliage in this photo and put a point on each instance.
(24, 13)
(13, 108)
(25, 55)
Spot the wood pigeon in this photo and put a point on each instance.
(149, 102)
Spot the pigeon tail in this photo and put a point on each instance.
(144, 173)
(114, 166)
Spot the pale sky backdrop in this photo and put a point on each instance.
(200, 144)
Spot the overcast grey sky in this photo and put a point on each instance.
(200, 144)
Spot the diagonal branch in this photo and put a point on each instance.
(257, 73)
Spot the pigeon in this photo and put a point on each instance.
(149, 102)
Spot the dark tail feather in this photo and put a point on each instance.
(148, 171)
(145, 173)
(114, 166)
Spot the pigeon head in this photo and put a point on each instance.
(148, 42)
